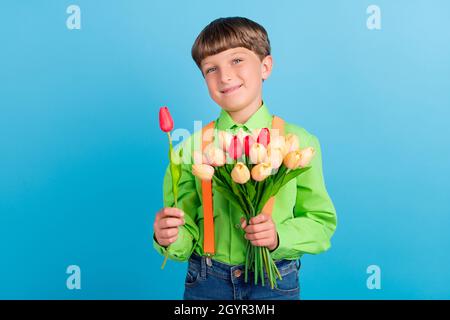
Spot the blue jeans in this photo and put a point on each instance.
(226, 282)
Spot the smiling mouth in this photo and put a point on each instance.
(231, 89)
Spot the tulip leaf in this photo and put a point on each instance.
(267, 193)
(280, 173)
(225, 181)
(224, 191)
(225, 174)
(290, 175)
(240, 196)
(259, 189)
(251, 192)
(247, 199)
(219, 182)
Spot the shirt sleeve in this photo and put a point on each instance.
(189, 202)
(314, 216)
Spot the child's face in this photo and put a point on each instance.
(234, 77)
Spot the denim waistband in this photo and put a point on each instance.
(225, 271)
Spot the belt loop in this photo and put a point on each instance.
(203, 267)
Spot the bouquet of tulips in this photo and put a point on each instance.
(249, 169)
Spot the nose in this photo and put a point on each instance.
(226, 75)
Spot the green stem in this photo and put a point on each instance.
(257, 195)
(166, 254)
(276, 270)
(256, 266)
(248, 205)
(260, 250)
(175, 195)
(269, 268)
(264, 254)
(246, 261)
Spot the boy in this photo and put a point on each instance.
(233, 55)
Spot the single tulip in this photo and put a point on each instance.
(240, 173)
(214, 156)
(292, 159)
(264, 137)
(261, 171)
(203, 171)
(258, 153)
(235, 148)
(307, 155)
(165, 119)
(248, 142)
(166, 125)
(275, 157)
(291, 143)
(277, 142)
(224, 139)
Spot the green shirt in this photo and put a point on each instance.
(303, 212)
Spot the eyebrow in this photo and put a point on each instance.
(229, 55)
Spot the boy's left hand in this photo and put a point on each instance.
(261, 231)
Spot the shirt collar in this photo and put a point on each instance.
(262, 118)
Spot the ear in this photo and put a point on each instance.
(266, 67)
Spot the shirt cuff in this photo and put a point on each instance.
(284, 250)
(180, 250)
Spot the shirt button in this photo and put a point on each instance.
(237, 273)
(237, 225)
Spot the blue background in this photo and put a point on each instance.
(82, 156)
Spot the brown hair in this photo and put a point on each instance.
(227, 33)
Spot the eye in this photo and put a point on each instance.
(210, 70)
(237, 60)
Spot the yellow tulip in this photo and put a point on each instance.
(261, 171)
(291, 143)
(292, 159)
(306, 155)
(214, 156)
(203, 171)
(275, 157)
(258, 153)
(277, 142)
(240, 173)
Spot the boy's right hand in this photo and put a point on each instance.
(166, 225)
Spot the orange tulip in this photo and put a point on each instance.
(203, 171)
(307, 155)
(261, 171)
(240, 173)
(292, 159)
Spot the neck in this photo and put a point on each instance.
(242, 116)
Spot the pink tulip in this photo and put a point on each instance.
(248, 142)
(165, 119)
(264, 137)
(235, 148)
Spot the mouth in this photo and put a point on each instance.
(231, 89)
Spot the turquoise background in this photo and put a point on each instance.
(82, 156)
